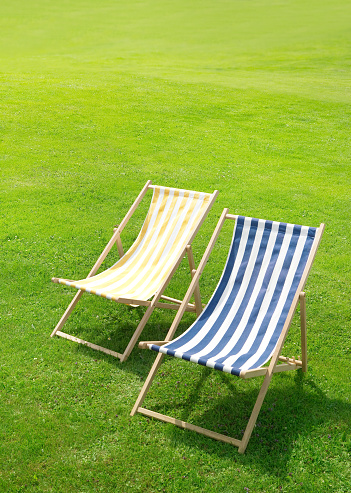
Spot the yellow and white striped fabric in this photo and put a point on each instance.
(171, 221)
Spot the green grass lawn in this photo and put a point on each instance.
(248, 97)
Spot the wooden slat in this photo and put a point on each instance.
(145, 344)
(189, 426)
(258, 372)
(174, 300)
(197, 294)
(292, 361)
(231, 216)
(169, 306)
(119, 243)
(57, 280)
(147, 383)
(285, 367)
(159, 304)
(89, 344)
(182, 190)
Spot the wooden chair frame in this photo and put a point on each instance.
(155, 302)
(278, 363)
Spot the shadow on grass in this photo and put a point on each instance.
(111, 325)
(294, 408)
(113, 328)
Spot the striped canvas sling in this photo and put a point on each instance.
(239, 328)
(171, 220)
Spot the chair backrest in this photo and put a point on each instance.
(240, 326)
(171, 223)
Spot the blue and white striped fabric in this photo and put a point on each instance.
(239, 328)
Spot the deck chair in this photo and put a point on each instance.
(142, 274)
(247, 319)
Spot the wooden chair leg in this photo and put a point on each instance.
(197, 295)
(67, 313)
(254, 415)
(147, 383)
(119, 243)
(137, 333)
(303, 331)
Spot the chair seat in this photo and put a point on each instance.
(171, 220)
(240, 327)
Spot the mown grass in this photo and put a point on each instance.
(250, 98)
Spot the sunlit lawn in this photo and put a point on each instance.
(250, 98)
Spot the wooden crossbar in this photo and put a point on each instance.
(119, 242)
(89, 344)
(174, 307)
(258, 372)
(174, 300)
(145, 344)
(293, 361)
(234, 217)
(197, 294)
(189, 426)
(180, 189)
(132, 302)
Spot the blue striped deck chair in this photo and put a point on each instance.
(141, 275)
(246, 321)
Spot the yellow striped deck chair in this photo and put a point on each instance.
(142, 273)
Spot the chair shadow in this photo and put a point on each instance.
(294, 406)
(114, 328)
